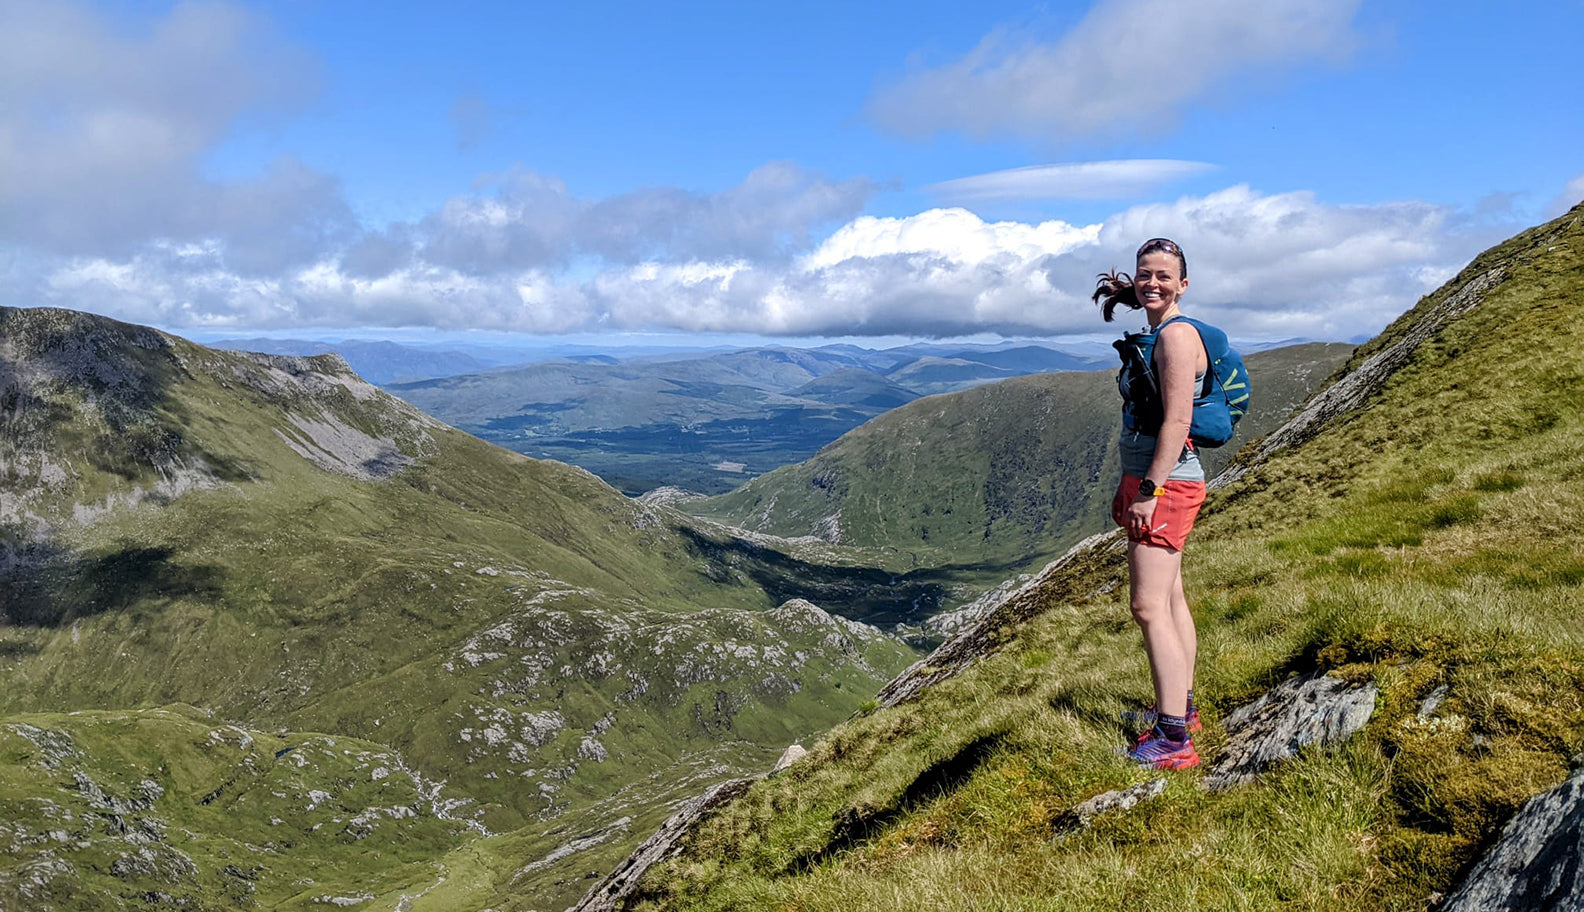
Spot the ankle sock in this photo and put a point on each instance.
(1172, 728)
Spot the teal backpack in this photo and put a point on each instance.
(1219, 404)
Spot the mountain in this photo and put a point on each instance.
(696, 422)
(857, 387)
(934, 374)
(706, 421)
(1021, 359)
(377, 362)
(1007, 472)
(269, 634)
(1410, 538)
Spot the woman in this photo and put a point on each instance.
(1163, 485)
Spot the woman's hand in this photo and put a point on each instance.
(1139, 515)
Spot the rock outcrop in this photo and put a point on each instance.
(1108, 802)
(611, 893)
(791, 755)
(983, 635)
(1538, 863)
(1313, 709)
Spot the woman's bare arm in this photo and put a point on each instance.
(1177, 357)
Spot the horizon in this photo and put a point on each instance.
(713, 175)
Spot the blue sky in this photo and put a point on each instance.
(769, 171)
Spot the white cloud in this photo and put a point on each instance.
(1129, 66)
(533, 220)
(1261, 265)
(103, 132)
(1074, 180)
(950, 234)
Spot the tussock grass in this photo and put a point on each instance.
(1428, 542)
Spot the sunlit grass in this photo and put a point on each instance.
(1428, 541)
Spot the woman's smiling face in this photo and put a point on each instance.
(1158, 282)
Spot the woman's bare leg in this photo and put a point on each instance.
(1183, 620)
(1154, 575)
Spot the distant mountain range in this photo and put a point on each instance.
(707, 422)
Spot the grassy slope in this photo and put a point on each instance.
(1012, 472)
(444, 612)
(1427, 539)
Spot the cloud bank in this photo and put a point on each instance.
(1272, 265)
(1129, 67)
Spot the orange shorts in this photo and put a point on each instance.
(1175, 511)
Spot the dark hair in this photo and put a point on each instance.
(1117, 287)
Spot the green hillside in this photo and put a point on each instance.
(999, 476)
(285, 547)
(1424, 538)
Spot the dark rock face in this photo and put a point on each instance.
(1312, 709)
(1538, 863)
(611, 894)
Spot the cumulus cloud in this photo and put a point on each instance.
(1261, 265)
(103, 132)
(534, 221)
(956, 235)
(189, 286)
(1130, 66)
(1095, 180)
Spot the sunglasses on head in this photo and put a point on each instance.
(1159, 244)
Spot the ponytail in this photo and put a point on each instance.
(1116, 288)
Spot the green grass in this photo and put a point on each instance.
(1424, 541)
(212, 815)
(442, 613)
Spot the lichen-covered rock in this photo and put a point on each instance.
(1119, 800)
(1538, 863)
(1311, 709)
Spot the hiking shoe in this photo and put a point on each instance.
(1161, 753)
(1146, 718)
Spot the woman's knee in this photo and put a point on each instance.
(1148, 611)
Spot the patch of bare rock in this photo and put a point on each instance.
(612, 893)
(1313, 709)
(1109, 802)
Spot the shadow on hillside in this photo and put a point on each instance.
(867, 594)
(857, 825)
(45, 586)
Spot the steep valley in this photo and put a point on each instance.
(203, 549)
